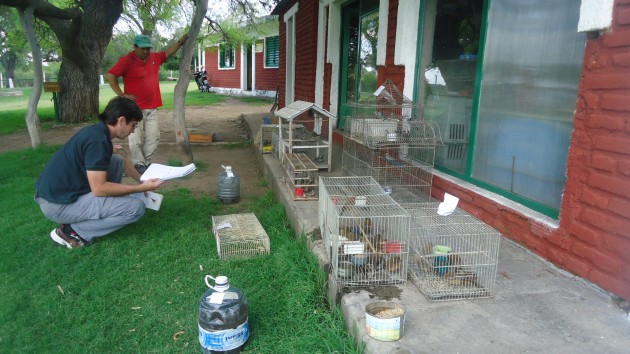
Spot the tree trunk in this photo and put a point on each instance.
(83, 43)
(9, 67)
(32, 120)
(78, 99)
(179, 104)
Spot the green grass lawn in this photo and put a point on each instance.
(13, 109)
(134, 289)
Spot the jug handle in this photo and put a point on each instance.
(207, 283)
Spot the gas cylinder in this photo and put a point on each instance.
(223, 315)
(228, 186)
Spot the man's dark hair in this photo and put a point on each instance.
(121, 106)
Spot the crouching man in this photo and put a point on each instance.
(80, 187)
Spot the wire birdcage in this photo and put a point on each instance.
(406, 170)
(451, 257)
(387, 101)
(377, 132)
(365, 231)
(239, 236)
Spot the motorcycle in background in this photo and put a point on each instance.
(201, 78)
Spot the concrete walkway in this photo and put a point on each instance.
(535, 307)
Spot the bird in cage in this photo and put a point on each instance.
(462, 277)
(367, 225)
(377, 241)
(393, 264)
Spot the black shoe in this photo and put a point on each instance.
(71, 240)
(141, 168)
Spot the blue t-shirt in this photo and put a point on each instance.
(64, 178)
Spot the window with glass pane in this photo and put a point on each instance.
(451, 75)
(531, 70)
(226, 56)
(272, 52)
(367, 54)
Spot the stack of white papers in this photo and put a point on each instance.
(165, 172)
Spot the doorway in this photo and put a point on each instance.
(358, 75)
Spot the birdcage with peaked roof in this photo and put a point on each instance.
(386, 101)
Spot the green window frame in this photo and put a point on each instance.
(272, 52)
(226, 56)
(517, 109)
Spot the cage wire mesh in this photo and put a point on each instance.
(386, 101)
(385, 139)
(366, 232)
(405, 171)
(313, 146)
(396, 130)
(239, 236)
(267, 145)
(451, 257)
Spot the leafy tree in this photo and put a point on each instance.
(145, 15)
(83, 29)
(13, 45)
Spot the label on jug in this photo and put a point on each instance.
(218, 297)
(224, 340)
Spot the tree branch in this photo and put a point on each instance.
(43, 8)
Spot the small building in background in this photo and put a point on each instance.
(249, 69)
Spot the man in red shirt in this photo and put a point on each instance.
(140, 71)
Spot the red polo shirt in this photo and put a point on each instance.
(141, 79)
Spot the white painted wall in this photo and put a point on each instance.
(290, 19)
(595, 15)
(253, 64)
(381, 44)
(334, 38)
(322, 22)
(406, 41)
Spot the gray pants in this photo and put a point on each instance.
(92, 216)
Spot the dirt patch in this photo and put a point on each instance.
(224, 120)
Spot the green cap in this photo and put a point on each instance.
(143, 41)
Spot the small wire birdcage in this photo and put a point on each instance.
(451, 257)
(239, 236)
(387, 101)
(366, 232)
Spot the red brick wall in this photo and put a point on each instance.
(396, 73)
(593, 239)
(306, 50)
(266, 78)
(227, 78)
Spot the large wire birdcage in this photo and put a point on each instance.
(365, 231)
(451, 257)
(239, 236)
(376, 132)
(405, 172)
(385, 139)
